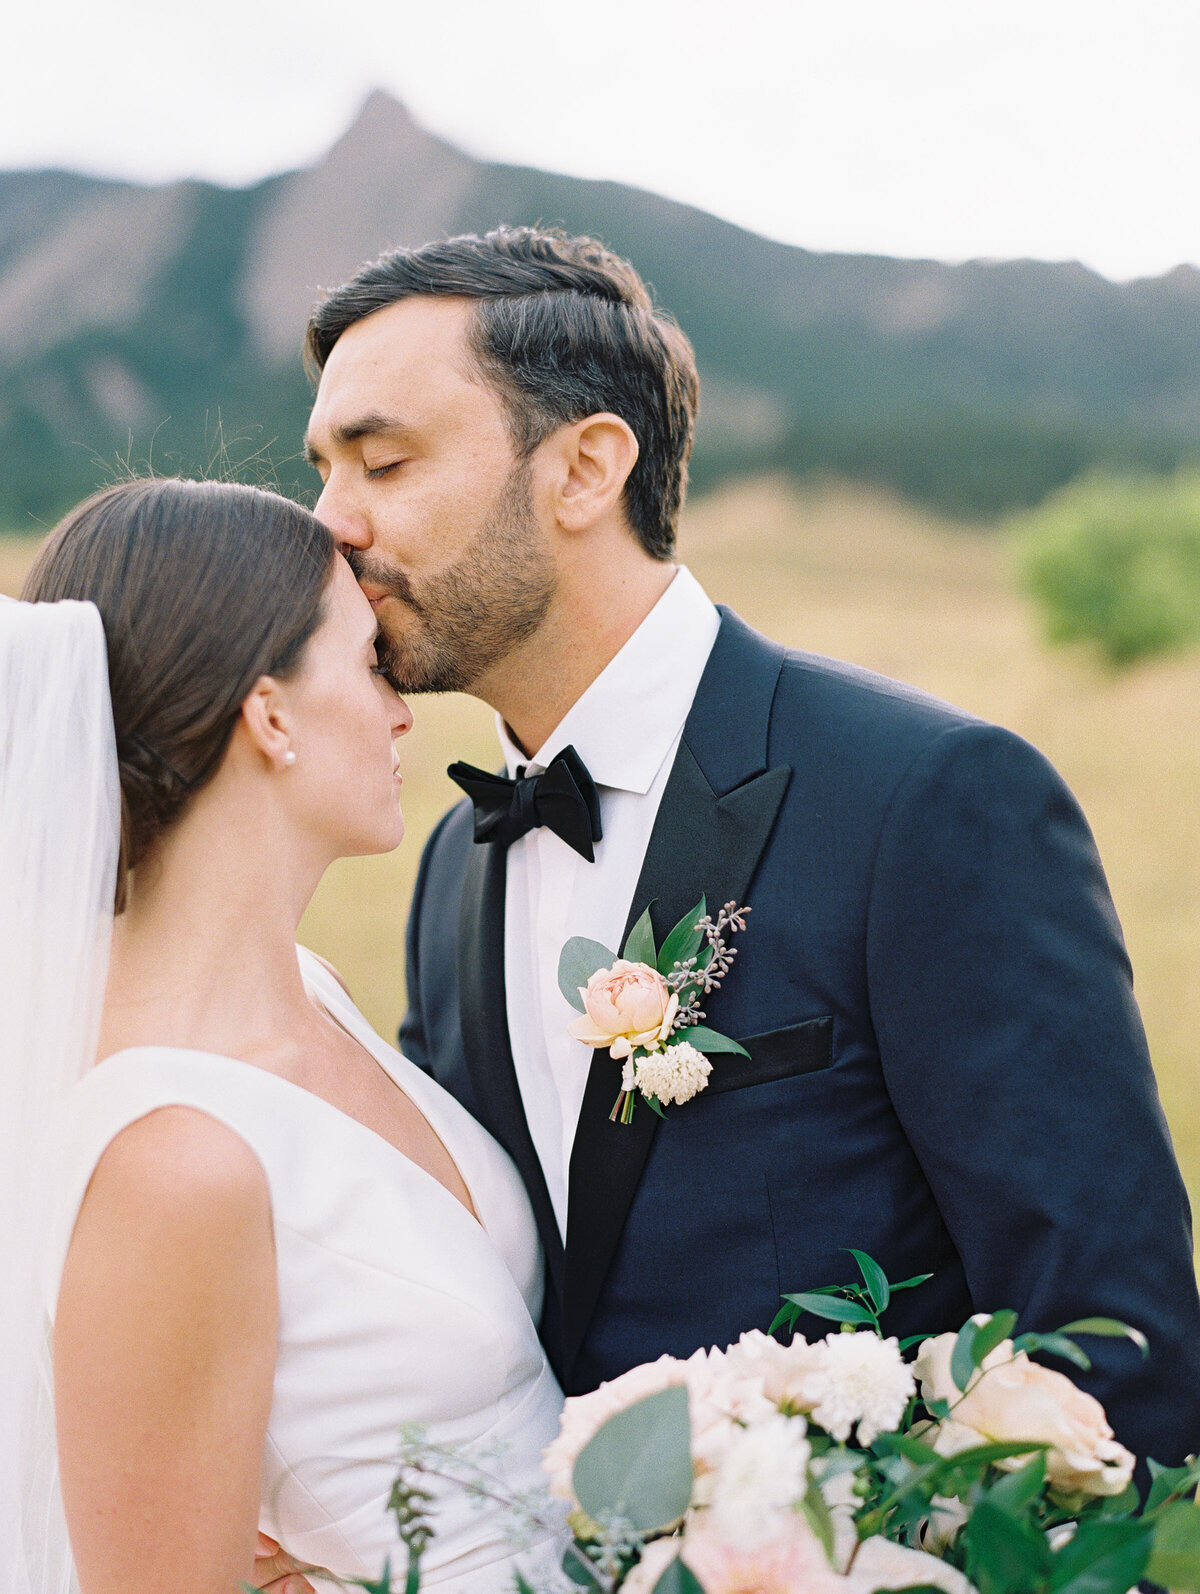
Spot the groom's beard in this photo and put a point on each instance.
(463, 621)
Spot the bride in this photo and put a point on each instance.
(264, 1241)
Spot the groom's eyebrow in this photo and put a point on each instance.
(370, 425)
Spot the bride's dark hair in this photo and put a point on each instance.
(202, 587)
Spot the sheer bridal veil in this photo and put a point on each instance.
(59, 831)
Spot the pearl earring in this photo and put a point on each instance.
(289, 758)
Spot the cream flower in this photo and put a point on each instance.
(860, 1380)
(1012, 1399)
(761, 1478)
(656, 1558)
(792, 1563)
(674, 1075)
(882, 1564)
(786, 1370)
(626, 1006)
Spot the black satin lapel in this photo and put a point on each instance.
(483, 1011)
(701, 845)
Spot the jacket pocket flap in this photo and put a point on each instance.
(776, 1054)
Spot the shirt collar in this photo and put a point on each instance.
(629, 718)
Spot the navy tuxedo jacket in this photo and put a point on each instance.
(947, 1068)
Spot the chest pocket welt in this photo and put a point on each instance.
(776, 1054)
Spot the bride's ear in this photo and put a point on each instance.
(266, 721)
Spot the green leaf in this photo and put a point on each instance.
(639, 943)
(707, 1040)
(874, 1278)
(914, 1339)
(577, 962)
(1109, 1328)
(834, 1310)
(1102, 1558)
(962, 1361)
(785, 1316)
(1016, 1490)
(655, 1105)
(579, 1569)
(678, 1579)
(816, 1512)
(683, 941)
(1167, 1481)
(911, 1284)
(1005, 1554)
(1054, 1345)
(992, 1333)
(638, 1466)
(1175, 1554)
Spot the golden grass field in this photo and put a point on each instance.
(847, 572)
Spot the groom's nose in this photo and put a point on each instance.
(350, 528)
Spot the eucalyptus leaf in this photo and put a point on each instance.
(1102, 1558)
(577, 962)
(1175, 1554)
(1109, 1328)
(829, 1307)
(683, 941)
(639, 943)
(638, 1466)
(874, 1278)
(678, 1579)
(707, 1040)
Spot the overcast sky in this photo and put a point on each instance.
(1063, 129)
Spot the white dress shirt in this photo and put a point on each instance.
(626, 727)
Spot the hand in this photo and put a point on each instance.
(275, 1571)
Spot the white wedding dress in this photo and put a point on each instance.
(396, 1306)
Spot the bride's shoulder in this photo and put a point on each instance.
(184, 1165)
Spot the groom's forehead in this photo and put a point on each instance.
(411, 356)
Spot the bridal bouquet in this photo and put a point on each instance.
(840, 1467)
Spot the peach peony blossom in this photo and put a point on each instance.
(627, 1005)
(792, 1563)
(1012, 1399)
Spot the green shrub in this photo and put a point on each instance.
(1116, 561)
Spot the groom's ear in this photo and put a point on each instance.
(589, 463)
(265, 721)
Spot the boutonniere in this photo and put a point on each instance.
(644, 1006)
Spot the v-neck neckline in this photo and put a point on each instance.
(471, 1213)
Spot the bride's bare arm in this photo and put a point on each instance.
(164, 1358)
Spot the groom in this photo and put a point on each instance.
(946, 1067)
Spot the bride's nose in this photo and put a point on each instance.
(402, 719)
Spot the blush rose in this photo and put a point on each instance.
(1013, 1399)
(627, 1006)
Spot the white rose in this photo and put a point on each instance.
(1012, 1399)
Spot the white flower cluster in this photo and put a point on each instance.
(675, 1074)
(750, 1407)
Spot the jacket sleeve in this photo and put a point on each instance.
(1014, 1055)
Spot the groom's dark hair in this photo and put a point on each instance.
(562, 328)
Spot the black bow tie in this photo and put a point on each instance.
(563, 798)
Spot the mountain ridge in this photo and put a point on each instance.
(137, 314)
